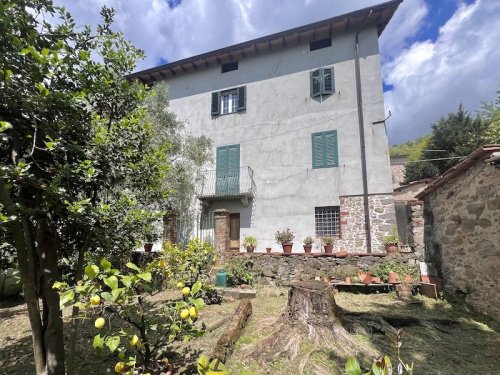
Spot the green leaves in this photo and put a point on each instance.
(65, 298)
(352, 366)
(133, 266)
(112, 342)
(91, 271)
(196, 288)
(111, 281)
(98, 343)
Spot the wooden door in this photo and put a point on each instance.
(234, 232)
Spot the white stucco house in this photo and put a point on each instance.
(297, 121)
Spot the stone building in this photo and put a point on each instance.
(297, 121)
(462, 228)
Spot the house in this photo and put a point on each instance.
(297, 120)
(462, 228)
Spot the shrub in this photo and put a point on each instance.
(239, 271)
(250, 241)
(308, 240)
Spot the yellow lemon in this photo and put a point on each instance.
(134, 341)
(120, 367)
(185, 291)
(95, 300)
(164, 360)
(184, 314)
(192, 312)
(100, 323)
(161, 263)
(180, 285)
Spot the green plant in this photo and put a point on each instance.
(392, 239)
(190, 263)
(328, 240)
(239, 271)
(250, 241)
(140, 334)
(308, 240)
(284, 236)
(395, 264)
(382, 365)
(212, 368)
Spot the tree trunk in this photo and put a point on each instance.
(21, 234)
(53, 334)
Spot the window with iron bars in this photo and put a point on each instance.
(327, 221)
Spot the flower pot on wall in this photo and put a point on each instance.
(328, 249)
(348, 280)
(341, 254)
(287, 247)
(148, 247)
(391, 248)
(250, 249)
(269, 249)
(307, 249)
(408, 279)
(393, 278)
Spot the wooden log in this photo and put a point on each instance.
(233, 331)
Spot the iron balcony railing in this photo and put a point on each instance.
(231, 182)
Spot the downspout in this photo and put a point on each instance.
(362, 140)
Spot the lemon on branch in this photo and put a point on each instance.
(100, 323)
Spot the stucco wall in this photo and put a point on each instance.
(462, 235)
(274, 132)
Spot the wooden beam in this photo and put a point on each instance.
(151, 77)
(230, 57)
(218, 60)
(163, 75)
(173, 72)
(347, 24)
(298, 38)
(256, 49)
(194, 65)
(330, 29)
(283, 42)
(183, 68)
(269, 45)
(314, 34)
(206, 63)
(243, 54)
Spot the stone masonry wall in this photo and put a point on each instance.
(277, 268)
(462, 235)
(352, 224)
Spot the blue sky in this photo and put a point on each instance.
(435, 54)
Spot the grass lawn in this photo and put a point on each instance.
(448, 339)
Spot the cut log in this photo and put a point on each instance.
(233, 331)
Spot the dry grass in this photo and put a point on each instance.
(467, 346)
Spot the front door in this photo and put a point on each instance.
(234, 232)
(227, 170)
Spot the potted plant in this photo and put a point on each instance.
(328, 241)
(391, 242)
(149, 237)
(308, 244)
(285, 238)
(269, 249)
(250, 242)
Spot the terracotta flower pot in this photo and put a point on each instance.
(408, 279)
(341, 254)
(307, 249)
(148, 247)
(393, 278)
(368, 278)
(287, 247)
(269, 249)
(391, 248)
(328, 249)
(361, 276)
(348, 280)
(376, 280)
(250, 249)
(404, 290)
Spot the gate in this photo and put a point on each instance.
(199, 226)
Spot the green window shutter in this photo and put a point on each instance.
(227, 170)
(215, 103)
(327, 83)
(241, 98)
(222, 159)
(317, 150)
(233, 157)
(315, 77)
(331, 149)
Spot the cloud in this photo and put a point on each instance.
(431, 78)
(192, 27)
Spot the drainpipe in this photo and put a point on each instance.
(362, 140)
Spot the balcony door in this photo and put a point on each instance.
(227, 170)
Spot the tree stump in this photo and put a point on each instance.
(312, 303)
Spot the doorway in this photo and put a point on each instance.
(234, 232)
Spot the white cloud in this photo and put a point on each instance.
(430, 79)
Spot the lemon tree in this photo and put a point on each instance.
(125, 325)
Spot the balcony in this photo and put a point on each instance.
(233, 183)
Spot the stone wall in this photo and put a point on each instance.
(275, 268)
(352, 224)
(462, 235)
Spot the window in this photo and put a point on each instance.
(229, 67)
(327, 221)
(318, 44)
(322, 82)
(325, 152)
(228, 101)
